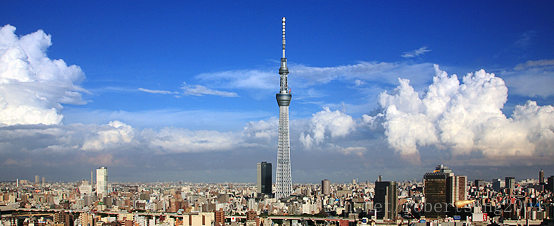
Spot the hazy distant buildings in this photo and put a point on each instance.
(85, 189)
(264, 180)
(326, 187)
(541, 177)
(102, 182)
(385, 202)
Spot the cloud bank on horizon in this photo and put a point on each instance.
(456, 118)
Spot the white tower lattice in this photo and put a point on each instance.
(283, 175)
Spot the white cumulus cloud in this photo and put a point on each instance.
(33, 86)
(327, 123)
(108, 136)
(464, 118)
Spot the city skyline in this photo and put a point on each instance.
(184, 91)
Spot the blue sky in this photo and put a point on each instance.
(187, 89)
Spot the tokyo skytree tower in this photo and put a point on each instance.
(283, 177)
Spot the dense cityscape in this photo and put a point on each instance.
(441, 198)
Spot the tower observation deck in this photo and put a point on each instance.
(283, 175)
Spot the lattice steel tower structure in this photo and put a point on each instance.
(283, 178)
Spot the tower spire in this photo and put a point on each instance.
(284, 71)
(284, 42)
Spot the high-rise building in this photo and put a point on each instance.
(456, 188)
(36, 179)
(326, 187)
(219, 218)
(435, 194)
(479, 183)
(283, 176)
(385, 202)
(91, 178)
(541, 177)
(496, 184)
(510, 182)
(550, 185)
(264, 180)
(102, 182)
(86, 219)
(441, 189)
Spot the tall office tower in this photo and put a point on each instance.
(326, 187)
(541, 177)
(496, 184)
(264, 180)
(386, 200)
(442, 188)
(43, 180)
(36, 179)
(283, 178)
(510, 182)
(102, 182)
(435, 194)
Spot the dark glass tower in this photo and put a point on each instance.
(264, 180)
(385, 200)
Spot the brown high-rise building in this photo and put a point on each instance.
(251, 215)
(63, 218)
(86, 219)
(435, 194)
(219, 218)
(442, 189)
(456, 188)
(541, 177)
(175, 205)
